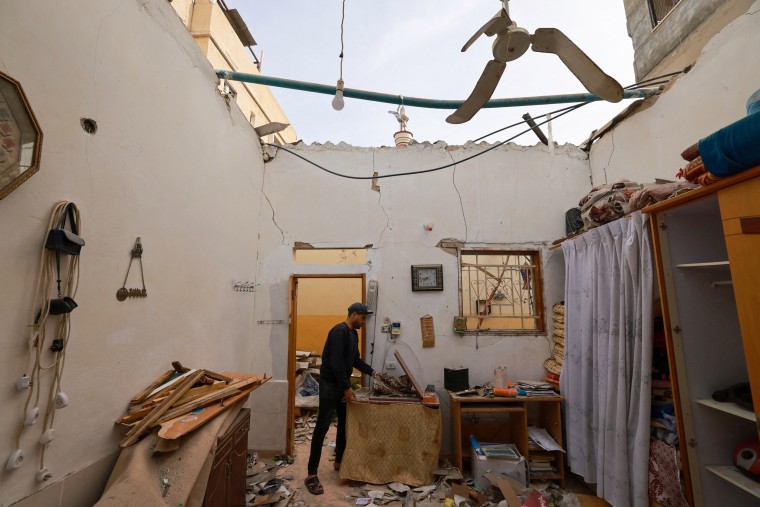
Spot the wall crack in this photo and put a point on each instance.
(461, 204)
(612, 140)
(274, 220)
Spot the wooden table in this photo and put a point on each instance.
(542, 412)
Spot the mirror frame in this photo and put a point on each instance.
(35, 164)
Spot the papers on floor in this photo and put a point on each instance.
(543, 439)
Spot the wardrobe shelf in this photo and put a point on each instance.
(728, 407)
(717, 265)
(735, 477)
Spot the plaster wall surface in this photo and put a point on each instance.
(712, 95)
(154, 169)
(514, 197)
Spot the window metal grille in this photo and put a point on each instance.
(501, 291)
(658, 9)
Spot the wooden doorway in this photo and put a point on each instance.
(317, 303)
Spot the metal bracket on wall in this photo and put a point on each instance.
(124, 293)
(244, 286)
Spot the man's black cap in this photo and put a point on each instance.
(359, 308)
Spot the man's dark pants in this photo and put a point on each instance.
(330, 401)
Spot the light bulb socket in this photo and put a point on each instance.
(337, 101)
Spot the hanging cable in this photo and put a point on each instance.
(337, 101)
(549, 116)
(423, 171)
(39, 318)
(521, 122)
(342, 19)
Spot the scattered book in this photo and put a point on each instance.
(504, 451)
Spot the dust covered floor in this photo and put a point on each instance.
(345, 492)
(337, 490)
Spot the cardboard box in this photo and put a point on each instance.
(481, 465)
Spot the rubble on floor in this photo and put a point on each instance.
(263, 486)
(304, 427)
(271, 483)
(460, 492)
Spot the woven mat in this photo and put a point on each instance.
(391, 443)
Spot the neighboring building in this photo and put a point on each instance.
(224, 39)
(668, 35)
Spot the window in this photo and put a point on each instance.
(658, 9)
(501, 291)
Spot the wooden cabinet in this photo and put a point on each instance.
(708, 268)
(226, 483)
(481, 417)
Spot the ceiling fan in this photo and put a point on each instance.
(511, 43)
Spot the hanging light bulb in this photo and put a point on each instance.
(337, 101)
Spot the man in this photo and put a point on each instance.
(339, 357)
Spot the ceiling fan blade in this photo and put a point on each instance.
(551, 40)
(480, 94)
(496, 24)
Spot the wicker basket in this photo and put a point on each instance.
(553, 366)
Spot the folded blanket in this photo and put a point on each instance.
(651, 194)
(734, 148)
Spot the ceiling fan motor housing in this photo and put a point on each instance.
(511, 45)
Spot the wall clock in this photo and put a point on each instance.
(427, 277)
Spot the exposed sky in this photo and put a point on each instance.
(413, 48)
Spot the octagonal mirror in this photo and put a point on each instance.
(20, 136)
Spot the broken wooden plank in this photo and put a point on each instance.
(157, 412)
(179, 368)
(181, 425)
(218, 396)
(173, 382)
(184, 424)
(231, 390)
(138, 411)
(142, 395)
(218, 376)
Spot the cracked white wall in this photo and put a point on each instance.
(169, 163)
(512, 196)
(712, 95)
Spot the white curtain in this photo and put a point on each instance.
(606, 373)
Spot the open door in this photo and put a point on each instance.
(317, 303)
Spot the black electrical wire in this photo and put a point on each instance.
(423, 171)
(561, 112)
(523, 121)
(342, 19)
(640, 84)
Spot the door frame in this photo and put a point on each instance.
(292, 316)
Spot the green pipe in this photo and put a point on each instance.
(417, 102)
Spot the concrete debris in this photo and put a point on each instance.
(398, 487)
(450, 488)
(304, 427)
(263, 487)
